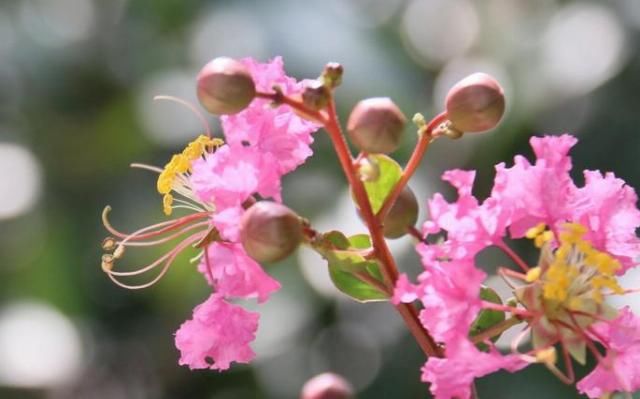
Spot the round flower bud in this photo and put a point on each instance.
(376, 125)
(225, 86)
(270, 231)
(476, 103)
(402, 214)
(315, 95)
(327, 386)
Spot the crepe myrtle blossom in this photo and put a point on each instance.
(586, 238)
(215, 182)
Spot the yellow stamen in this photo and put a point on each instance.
(535, 231)
(547, 356)
(167, 202)
(533, 274)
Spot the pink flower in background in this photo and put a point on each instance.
(235, 274)
(586, 235)
(619, 370)
(219, 333)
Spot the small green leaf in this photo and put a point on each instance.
(336, 239)
(355, 288)
(378, 190)
(360, 241)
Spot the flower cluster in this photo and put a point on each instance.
(217, 181)
(586, 237)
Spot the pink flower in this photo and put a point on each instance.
(618, 371)
(274, 131)
(452, 376)
(218, 334)
(590, 238)
(235, 274)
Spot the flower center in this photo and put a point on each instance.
(575, 276)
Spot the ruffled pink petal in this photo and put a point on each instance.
(618, 371)
(218, 334)
(452, 376)
(276, 131)
(608, 208)
(236, 274)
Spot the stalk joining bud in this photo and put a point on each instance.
(327, 386)
(315, 95)
(270, 231)
(376, 125)
(403, 214)
(225, 86)
(476, 103)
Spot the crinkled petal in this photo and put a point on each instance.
(236, 274)
(218, 334)
(618, 371)
(452, 376)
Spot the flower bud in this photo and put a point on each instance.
(332, 74)
(376, 125)
(327, 386)
(403, 214)
(225, 86)
(270, 231)
(476, 103)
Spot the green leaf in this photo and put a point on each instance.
(354, 287)
(348, 264)
(378, 190)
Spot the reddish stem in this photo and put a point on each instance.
(514, 256)
(389, 270)
(414, 161)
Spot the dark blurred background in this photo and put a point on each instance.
(77, 79)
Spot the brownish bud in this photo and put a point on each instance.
(270, 231)
(403, 214)
(327, 386)
(315, 95)
(476, 103)
(225, 86)
(376, 125)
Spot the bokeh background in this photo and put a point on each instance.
(77, 79)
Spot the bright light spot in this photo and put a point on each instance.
(348, 350)
(59, 22)
(231, 33)
(20, 180)
(281, 318)
(39, 346)
(167, 122)
(436, 31)
(379, 318)
(582, 48)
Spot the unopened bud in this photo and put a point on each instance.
(327, 386)
(376, 125)
(403, 214)
(225, 86)
(332, 74)
(315, 95)
(476, 103)
(270, 231)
